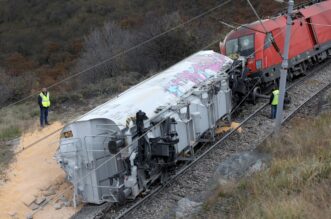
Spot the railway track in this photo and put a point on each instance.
(194, 177)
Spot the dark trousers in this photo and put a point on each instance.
(43, 116)
(273, 111)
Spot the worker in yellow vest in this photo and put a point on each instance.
(274, 99)
(44, 104)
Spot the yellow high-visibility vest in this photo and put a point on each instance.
(276, 97)
(45, 100)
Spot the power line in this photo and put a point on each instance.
(265, 29)
(257, 15)
(124, 52)
(239, 26)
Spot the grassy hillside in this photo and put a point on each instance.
(297, 183)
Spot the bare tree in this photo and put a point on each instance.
(100, 46)
(154, 55)
(168, 48)
(13, 88)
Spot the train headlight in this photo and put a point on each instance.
(259, 64)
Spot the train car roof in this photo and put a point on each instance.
(163, 89)
(315, 9)
(279, 21)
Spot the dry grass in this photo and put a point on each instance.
(297, 183)
(13, 122)
(16, 119)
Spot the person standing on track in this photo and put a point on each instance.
(274, 99)
(44, 104)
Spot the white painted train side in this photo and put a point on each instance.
(119, 149)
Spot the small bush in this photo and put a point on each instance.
(68, 98)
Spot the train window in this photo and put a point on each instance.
(232, 47)
(243, 46)
(246, 45)
(268, 40)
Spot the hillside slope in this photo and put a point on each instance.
(42, 41)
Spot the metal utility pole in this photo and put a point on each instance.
(284, 68)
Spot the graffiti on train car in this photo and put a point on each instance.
(197, 73)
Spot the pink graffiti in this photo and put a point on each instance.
(196, 74)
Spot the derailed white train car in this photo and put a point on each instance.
(117, 150)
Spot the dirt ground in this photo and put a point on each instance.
(35, 176)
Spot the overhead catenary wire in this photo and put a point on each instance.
(257, 15)
(183, 24)
(239, 25)
(265, 29)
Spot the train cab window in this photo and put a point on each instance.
(243, 46)
(246, 45)
(232, 47)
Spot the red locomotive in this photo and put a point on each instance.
(260, 47)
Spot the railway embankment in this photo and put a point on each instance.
(195, 182)
(295, 184)
(287, 176)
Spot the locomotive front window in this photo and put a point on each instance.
(246, 45)
(232, 47)
(243, 46)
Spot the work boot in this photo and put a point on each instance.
(47, 123)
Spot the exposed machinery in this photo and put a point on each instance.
(116, 151)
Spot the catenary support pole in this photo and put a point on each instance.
(284, 68)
